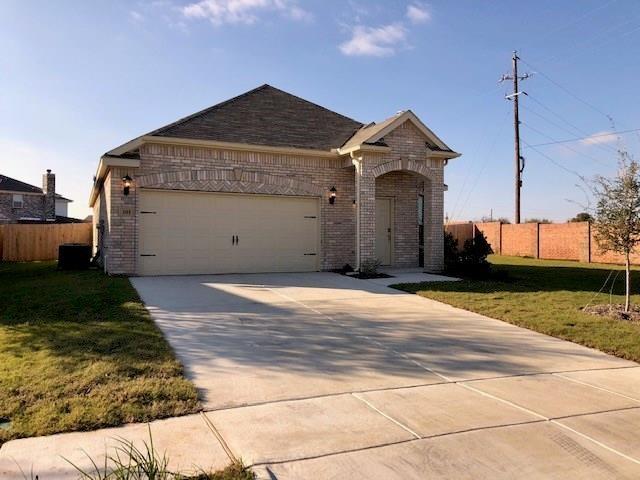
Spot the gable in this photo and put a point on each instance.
(374, 133)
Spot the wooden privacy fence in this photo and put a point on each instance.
(550, 241)
(24, 243)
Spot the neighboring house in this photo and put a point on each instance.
(24, 203)
(270, 182)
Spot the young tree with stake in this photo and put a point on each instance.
(617, 215)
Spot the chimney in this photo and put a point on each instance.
(49, 192)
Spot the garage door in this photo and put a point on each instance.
(189, 232)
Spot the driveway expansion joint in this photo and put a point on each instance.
(218, 437)
(581, 382)
(389, 417)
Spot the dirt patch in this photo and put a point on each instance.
(615, 311)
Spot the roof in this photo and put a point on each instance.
(9, 184)
(266, 116)
(13, 185)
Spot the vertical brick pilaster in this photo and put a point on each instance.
(365, 213)
(433, 223)
(123, 235)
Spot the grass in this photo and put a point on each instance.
(78, 351)
(547, 296)
(130, 462)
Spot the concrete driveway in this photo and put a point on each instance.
(323, 376)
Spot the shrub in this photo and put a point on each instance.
(472, 260)
(451, 256)
(369, 268)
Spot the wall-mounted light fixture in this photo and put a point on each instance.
(126, 182)
(332, 195)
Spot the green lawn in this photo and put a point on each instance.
(547, 296)
(78, 351)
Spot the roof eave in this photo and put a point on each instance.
(446, 155)
(107, 162)
(362, 147)
(245, 147)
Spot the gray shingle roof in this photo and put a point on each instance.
(13, 185)
(266, 116)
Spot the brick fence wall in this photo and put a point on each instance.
(552, 241)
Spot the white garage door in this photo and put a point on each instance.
(191, 232)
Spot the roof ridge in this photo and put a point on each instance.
(237, 97)
(208, 109)
(313, 103)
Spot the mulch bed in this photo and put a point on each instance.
(615, 311)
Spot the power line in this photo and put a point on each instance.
(608, 33)
(485, 161)
(557, 164)
(565, 146)
(569, 92)
(570, 140)
(572, 125)
(574, 21)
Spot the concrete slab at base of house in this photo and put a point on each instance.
(188, 442)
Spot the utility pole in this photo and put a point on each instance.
(519, 159)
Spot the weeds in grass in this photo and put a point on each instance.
(129, 462)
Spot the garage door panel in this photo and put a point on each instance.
(193, 233)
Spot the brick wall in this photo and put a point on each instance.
(557, 241)
(565, 241)
(217, 170)
(492, 232)
(33, 207)
(520, 240)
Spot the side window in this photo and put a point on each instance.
(17, 200)
(420, 209)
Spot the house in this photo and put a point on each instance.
(268, 182)
(24, 203)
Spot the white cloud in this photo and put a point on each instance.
(600, 138)
(135, 16)
(418, 13)
(247, 12)
(375, 41)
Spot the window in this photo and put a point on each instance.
(17, 200)
(420, 209)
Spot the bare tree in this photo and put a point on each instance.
(617, 214)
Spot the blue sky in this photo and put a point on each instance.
(80, 77)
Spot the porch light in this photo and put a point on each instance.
(126, 182)
(332, 195)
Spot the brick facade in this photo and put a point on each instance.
(347, 227)
(35, 206)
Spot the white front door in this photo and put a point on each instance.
(384, 225)
(193, 232)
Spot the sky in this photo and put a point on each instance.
(78, 78)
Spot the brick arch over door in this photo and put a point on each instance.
(402, 164)
(235, 180)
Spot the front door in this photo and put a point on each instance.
(384, 223)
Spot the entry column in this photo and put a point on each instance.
(434, 222)
(365, 213)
